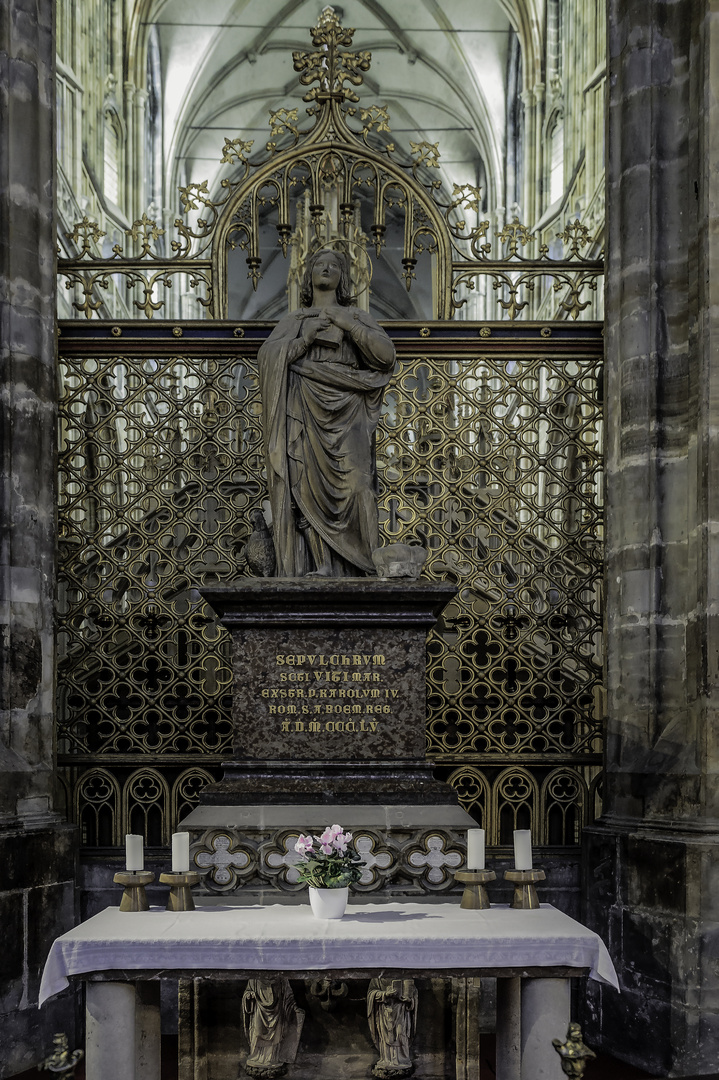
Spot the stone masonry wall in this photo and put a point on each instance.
(37, 849)
(650, 863)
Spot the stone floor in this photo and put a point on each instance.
(604, 1068)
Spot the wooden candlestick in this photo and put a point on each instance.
(475, 894)
(180, 898)
(525, 894)
(134, 897)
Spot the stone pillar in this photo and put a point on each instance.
(111, 1032)
(650, 862)
(528, 175)
(509, 1029)
(36, 848)
(545, 1016)
(139, 165)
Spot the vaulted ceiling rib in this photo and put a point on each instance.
(448, 88)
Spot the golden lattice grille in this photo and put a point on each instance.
(489, 455)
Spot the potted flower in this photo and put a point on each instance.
(328, 866)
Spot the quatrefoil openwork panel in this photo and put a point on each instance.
(435, 858)
(224, 862)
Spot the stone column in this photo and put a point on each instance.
(545, 1016)
(529, 147)
(650, 863)
(509, 1029)
(111, 1032)
(139, 165)
(36, 849)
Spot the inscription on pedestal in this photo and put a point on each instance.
(341, 694)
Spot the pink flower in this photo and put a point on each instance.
(327, 849)
(326, 838)
(304, 844)
(336, 829)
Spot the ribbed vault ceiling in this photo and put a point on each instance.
(439, 66)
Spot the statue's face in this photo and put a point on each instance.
(326, 271)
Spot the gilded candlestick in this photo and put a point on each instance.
(525, 894)
(180, 882)
(475, 893)
(134, 898)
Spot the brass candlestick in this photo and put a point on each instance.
(180, 882)
(134, 897)
(525, 894)
(475, 894)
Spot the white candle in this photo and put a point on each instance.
(522, 849)
(475, 849)
(134, 855)
(180, 852)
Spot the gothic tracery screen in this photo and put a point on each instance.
(490, 455)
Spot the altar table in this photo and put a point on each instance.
(122, 955)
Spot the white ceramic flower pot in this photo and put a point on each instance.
(328, 903)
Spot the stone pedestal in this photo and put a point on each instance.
(329, 698)
(329, 712)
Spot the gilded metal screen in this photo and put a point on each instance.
(490, 456)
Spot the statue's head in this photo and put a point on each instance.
(345, 296)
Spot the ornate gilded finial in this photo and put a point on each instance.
(330, 67)
(573, 1053)
(87, 233)
(61, 1062)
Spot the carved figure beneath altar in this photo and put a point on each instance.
(273, 1025)
(322, 374)
(392, 1017)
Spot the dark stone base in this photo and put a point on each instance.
(356, 782)
(653, 895)
(37, 904)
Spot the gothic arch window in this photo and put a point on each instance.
(555, 158)
(153, 129)
(515, 123)
(112, 179)
(97, 799)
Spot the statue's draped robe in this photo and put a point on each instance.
(320, 417)
(392, 1018)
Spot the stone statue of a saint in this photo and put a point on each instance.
(392, 1017)
(273, 1025)
(322, 372)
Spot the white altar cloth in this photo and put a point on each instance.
(289, 938)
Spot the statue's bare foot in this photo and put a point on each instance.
(322, 571)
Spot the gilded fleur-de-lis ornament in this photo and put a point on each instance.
(573, 1054)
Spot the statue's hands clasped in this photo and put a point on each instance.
(314, 326)
(340, 316)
